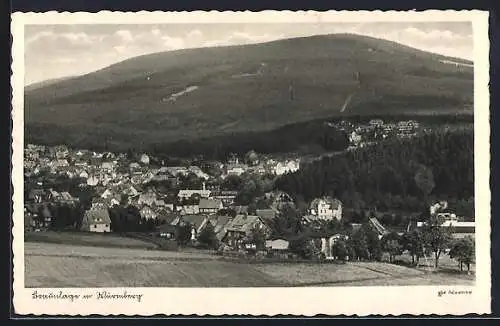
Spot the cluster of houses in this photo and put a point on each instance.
(232, 230)
(363, 134)
(118, 179)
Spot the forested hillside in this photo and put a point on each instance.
(394, 175)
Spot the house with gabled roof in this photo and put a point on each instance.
(96, 219)
(219, 223)
(235, 169)
(147, 213)
(144, 159)
(108, 165)
(209, 206)
(166, 216)
(279, 199)
(267, 213)
(189, 209)
(107, 194)
(240, 227)
(36, 195)
(227, 197)
(198, 172)
(196, 221)
(148, 198)
(188, 193)
(92, 180)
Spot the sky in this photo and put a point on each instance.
(55, 51)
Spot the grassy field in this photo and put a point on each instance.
(55, 265)
(88, 239)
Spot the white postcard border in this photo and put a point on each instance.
(309, 301)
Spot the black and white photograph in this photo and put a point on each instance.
(321, 154)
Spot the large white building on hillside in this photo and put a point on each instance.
(326, 208)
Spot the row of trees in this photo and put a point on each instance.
(364, 243)
(430, 241)
(128, 219)
(313, 136)
(284, 139)
(70, 216)
(62, 216)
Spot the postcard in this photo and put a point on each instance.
(251, 163)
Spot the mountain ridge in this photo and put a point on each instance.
(252, 87)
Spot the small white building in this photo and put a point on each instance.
(355, 138)
(286, 167)
(96, 219)
(144, 159)
(187, 193)
(235, 169)
(92, 180)
(278, 244)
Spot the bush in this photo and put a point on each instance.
(463, 251)
(207, 237)
(340, 250)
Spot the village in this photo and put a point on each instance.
(205, 204)
(361, 134)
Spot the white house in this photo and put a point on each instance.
(286, 167)
(326, 208)
(92, 180)
(235, 169)
(144, 159)
(96, 219)
(198, 172)
(187, 193)
(354, 138)
(278, 244)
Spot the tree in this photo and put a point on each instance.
(463, 251)
(251, 158)
(340, 250)
(257, 237)
(359, 244)
(250, 190)
(373, 243)
(302, 204)
(392, 244)
(424, 179)
(436, 237)
(208, 238)
(288, 223)
(190, 181)
(183, 233)
(302, 247)
(333, 226)
(232, 182)
(413, 242)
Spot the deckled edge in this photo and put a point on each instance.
(133, 13)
